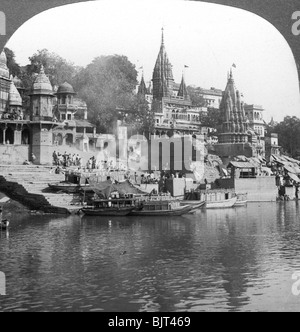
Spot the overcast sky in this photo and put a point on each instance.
(208, 38)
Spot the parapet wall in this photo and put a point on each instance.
(13, 154)
(260, 189)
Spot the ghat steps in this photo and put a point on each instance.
(28, 184)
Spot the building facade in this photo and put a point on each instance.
(53, 119)
(237, 135)
(170, 101)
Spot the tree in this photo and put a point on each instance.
(212, 118)
(56, 68)
(196, 98)
(13, 66)
(288, 132)
(106, 84)
(142, 118)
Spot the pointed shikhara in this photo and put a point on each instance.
(235, 125)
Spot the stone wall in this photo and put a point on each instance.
(260, 189)
(13, 154)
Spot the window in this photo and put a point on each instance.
(69, 117)
(63, 116)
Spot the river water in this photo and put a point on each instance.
(238, 259)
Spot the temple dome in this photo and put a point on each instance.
(14, 96)
(3, 65)
(42, 85)
(65, 88)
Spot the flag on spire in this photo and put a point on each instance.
(185, 66)
(234, 65)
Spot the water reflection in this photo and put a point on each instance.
(222, 260)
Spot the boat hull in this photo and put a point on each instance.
(196, 205)
(240, 203)
(228, 203)
(174, 212)
(69, 188)
(107, 211)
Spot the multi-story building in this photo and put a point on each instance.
(170, 101)
(254, 113)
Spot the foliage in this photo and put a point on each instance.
(196, 98)
(288, 132)
(13, 66)
(56, 68)
(212, 118)
(142, 118)
(106, 84)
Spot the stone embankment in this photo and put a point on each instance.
(28, 185)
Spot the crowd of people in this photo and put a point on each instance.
(67, 160)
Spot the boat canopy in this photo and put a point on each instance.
(294, 177)
(107, 187)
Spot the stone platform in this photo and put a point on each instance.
(28, 184)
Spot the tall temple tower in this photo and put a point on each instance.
(41, 115)
(235, 137)
(182, 92)
(162, 79)
(235, 124)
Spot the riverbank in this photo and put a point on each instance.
(28, 185)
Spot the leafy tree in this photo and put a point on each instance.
(57, 69)
(212, 118)
(289, 135)
(142, 118)
(196, 98)
(13, 66)
(106, 84)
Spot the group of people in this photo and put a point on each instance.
(67, 160)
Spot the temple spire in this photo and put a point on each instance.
(162, 36)
(182, 92)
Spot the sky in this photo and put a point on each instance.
(208, 38)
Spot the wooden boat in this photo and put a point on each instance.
(240, 203)
(241, 200)
(197, 205)
(66, 187)
(107, 211)
(161, 208)
(110, 207)
(227, 203)
(4, 224)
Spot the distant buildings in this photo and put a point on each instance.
(54, 119)
(57, 118)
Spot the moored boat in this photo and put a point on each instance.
(227, 203)
(241, 200)
(110, 207)
(196, 205)
(65, 187)
(161, 208)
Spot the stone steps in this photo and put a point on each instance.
(29, 184)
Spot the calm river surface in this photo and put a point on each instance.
(239, 259)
